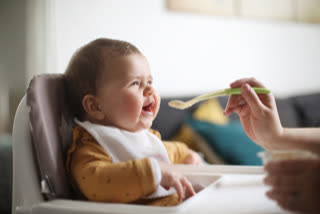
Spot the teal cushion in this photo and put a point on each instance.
(229, 141)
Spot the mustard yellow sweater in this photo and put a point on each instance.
(94, 175)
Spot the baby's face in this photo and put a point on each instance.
(126, 95)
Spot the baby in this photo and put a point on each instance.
(115, 156)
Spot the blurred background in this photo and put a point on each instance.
(192, 46)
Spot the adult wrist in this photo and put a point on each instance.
(280, 140)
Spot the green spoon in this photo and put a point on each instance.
(178, 104)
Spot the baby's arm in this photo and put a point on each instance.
(193, 158)
(180, 153)
(101, 180)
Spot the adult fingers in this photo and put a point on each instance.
(266, 99)
(285, 201)
(284, 181)
(233, 102)
(295, 201)
(287, 167)
(243, 111)
(251, 81)
(252, 99)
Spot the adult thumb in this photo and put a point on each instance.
(251, 97)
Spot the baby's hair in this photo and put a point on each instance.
(87, 66)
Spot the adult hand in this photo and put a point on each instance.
(172, 178)
(258, 113)
(295, 184)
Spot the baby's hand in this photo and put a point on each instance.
(193, 158)
(172, 178)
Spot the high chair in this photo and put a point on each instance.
(42, 134)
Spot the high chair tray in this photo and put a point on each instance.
(207, 181)
(229, 189)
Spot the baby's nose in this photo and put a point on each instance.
(147, 91)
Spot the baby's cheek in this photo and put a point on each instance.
(157, 104)
(132, 105)
(133, 113)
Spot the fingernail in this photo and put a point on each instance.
(248, 87)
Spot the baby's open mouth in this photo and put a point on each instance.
(148, 107)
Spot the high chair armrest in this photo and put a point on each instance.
(218, 169)
(86, 207)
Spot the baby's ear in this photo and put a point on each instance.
(91, 106)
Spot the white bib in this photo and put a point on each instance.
(123, 146)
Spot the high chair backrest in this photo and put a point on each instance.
(25, 184)
(41, 135)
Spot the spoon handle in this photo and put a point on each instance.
(231, 91)
(226, 92)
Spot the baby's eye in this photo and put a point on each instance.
(149, 82)
(135, 83)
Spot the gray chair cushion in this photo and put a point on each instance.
(51, 127)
